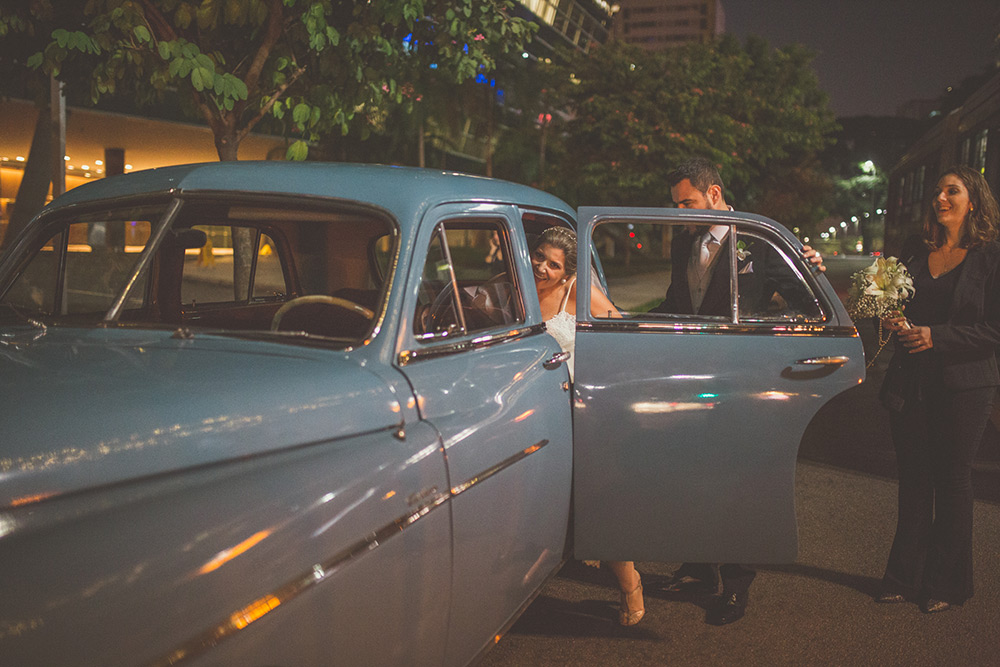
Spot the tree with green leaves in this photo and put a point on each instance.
(754, 110)
(312, 65)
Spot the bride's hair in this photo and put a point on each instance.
(564, 239)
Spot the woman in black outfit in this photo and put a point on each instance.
(940, 388)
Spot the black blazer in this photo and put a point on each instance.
(967, 343)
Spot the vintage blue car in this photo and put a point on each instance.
(309, 414)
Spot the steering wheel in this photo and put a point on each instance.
(441, 313)
(346, 304)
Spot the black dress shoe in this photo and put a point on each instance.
(728, 608)
(686, 584)
(890, 597)
(932, 606)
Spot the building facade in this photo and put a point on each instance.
(969, 135)
(662, 24)
(93, 135)
(580, 24)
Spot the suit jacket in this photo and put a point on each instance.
(717, 295)
(967, 343)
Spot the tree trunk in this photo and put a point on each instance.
(421, 162)
(541, 152)
(490, 129)
(227, 145)
(35, 181)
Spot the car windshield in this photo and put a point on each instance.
(242, 268)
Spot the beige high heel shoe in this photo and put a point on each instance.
(632, 609)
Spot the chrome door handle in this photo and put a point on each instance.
(556, 360)
(824, 361)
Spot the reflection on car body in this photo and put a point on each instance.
(263, 413)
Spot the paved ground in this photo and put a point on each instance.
(817, 611)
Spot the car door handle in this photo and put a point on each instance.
(556, 360)
(824, 361)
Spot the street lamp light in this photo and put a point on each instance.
(869, 168)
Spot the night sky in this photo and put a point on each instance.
(873, 55)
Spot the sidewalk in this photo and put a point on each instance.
(631, 292)
(817, 611)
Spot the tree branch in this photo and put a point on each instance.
(266, 107)
(214, 121)
(160, 25)
(271, 36)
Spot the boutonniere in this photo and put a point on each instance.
(741, 251)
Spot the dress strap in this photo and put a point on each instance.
(565, 300)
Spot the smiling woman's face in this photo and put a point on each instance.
(548, 263)
(951, 201)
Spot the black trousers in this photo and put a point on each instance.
(936, 443)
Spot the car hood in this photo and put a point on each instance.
(84, 408)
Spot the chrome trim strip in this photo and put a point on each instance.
(719, 328)
(489, 472)
(734, 276)
(145, 260)
(244, 616)
(409, 356)
(454, 281)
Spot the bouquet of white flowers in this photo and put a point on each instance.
(878, 291)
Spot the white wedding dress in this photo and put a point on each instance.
(562, 327)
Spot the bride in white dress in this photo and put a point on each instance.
(553, 262)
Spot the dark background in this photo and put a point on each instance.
(873, 55)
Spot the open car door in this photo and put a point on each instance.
(688, 411)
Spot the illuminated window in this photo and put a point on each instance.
(979, 151)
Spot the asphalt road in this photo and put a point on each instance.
(816, 611)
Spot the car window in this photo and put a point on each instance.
(84, 266)
(468, 283)
(284, 269)
(209, 270)
(682, 271)
(781, 293)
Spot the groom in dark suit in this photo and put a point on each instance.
(700, 285)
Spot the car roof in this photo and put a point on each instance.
(405, 192)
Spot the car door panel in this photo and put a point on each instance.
(686, 430)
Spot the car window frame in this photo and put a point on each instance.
(412, 348)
